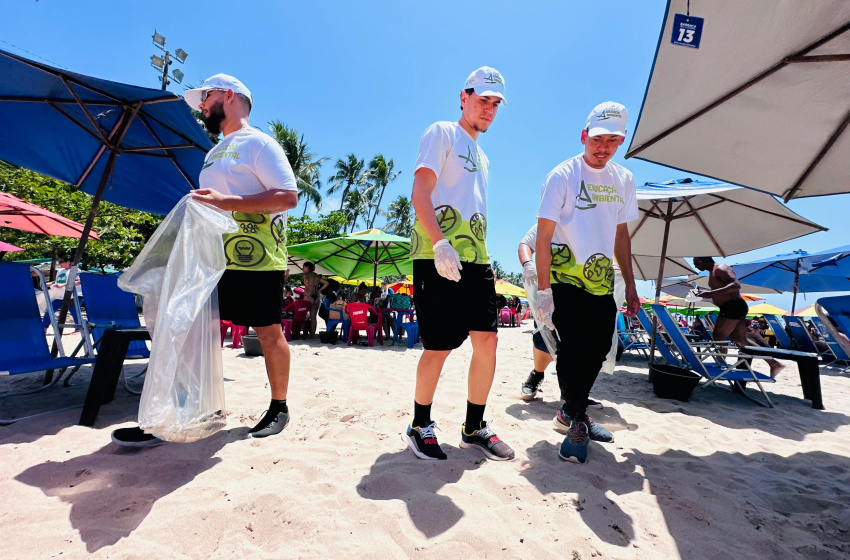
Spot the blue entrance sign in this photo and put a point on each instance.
(687, 31)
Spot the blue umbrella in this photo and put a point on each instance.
(799, 272)
(141, 143)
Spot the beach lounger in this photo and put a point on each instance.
(632, 339)
(660, 344)
(711, 363)
(23, 344)
(834, 317)
(802, 338)
(778, 328)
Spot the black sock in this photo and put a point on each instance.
(278, 406)
(474, 416)
(421, 414)
(537, 372)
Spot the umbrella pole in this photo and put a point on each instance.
(375, 272)
(796, 286)
(658, 281)
(78, 255)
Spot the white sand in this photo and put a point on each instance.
(717, 477)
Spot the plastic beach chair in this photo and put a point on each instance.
(631, 339)
(23, 345)
(660, 343)
(834, 317)
(335, 318)
(842, 359)
(716, 368)
(359, 313)
(300, 310)
(801, 336)
(778, 328)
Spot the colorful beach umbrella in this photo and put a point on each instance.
(19, 214)
(505, 288)
(764, 100)
(766, 309)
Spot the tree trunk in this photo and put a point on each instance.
(378, 207)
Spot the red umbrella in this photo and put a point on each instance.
(8, 248)
(18, 214)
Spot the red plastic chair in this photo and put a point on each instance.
(359, 313)
(300, 318)
(236, 331)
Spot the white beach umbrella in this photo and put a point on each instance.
(646, 267)
(764, 102)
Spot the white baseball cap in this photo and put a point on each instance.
(487, 81)
(607, 118)
(220, 82)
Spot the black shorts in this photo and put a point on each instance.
(537, 340)
(251, 298)
(735, 309)
(448, 310)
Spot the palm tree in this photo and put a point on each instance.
(400, 216)
(498, 270)
(380, 174)
(348, 173)
(357, 204)
(304, 165)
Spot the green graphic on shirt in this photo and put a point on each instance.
(596, 275)
(584, 196)
(467, 237)
(471, 160)
(260, 243)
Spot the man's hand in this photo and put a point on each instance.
(529, 273)
(632, 301)
(447, 260)
(215, 198)
(545, 307)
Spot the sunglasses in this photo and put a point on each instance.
(206, 93)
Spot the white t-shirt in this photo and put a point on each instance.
(248, 162)
(530, 241)
(586, 205)
(460, 195)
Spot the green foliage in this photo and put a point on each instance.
(400, 216)
(349, 172)
(304, 164)
(380, 174)
(123, 232)
(305, 229)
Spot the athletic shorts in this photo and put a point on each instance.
(735, 309)
(446, 310)
(251, 298)
(537, 340)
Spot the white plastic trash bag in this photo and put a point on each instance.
(550, 337)
(619, 297)
(177, 273)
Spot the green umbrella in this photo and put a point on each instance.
(361, 255)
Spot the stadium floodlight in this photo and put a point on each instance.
(158, 40)
(181, 55)
(178, 76)
(157, 61)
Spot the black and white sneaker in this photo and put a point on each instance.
(271, 424)
(488, 442)
(134, 437)
(423, 442)
(532, 385)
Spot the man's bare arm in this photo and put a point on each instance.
(545, 231)
(725, 274)
(525, 253)
(623, 254)
(268, 202)
(424, 181)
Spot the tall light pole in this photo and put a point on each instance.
(163, 62)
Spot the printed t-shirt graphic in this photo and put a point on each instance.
(250, 162)
(586, 205)
(460, 195)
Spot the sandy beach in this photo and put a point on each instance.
(716, 477)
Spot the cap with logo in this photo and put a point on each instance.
(221, 82)
(487, 81)
(607, 118)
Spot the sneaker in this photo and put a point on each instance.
(423, 442)
(574, 446)
(271, 424)
(594, 404)
(488, 442)
(595, 431)
(134, 437)
(532, 385)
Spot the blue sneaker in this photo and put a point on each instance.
(574, 446)
(561, 422)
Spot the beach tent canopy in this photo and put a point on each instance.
(67, 125)
(20, 214)
(764, 102)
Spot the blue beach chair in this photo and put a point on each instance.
(716, 368)
(660, 343)
(778, 328)
(332, 322)
(834, 317)
(23, 344)
(801, 336)
(631, 339)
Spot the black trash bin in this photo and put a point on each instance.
(671, 382)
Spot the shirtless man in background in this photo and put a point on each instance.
(725, 292)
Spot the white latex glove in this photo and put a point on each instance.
(529, 273)
(545, 307)
(447, 260)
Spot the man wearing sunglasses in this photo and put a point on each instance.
(246, 173)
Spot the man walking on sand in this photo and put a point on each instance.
(450, 263)
(725, 291)
(246, 173)
(581, 227)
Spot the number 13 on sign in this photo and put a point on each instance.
(687, 31)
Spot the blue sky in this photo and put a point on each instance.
(369, 77)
